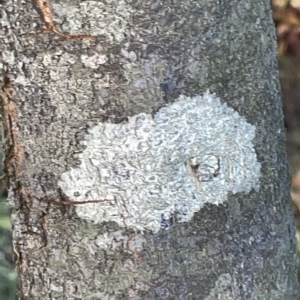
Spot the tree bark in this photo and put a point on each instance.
(185, 219)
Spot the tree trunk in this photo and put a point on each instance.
(145, 150)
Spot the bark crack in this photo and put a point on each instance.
(44, 10)
(15, 155)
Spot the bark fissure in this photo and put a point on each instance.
(44, 9)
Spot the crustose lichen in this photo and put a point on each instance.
(193, 151)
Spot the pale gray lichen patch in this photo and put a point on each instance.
(93, 61)
(110, 19)
(194, 151)
(225, 289)
(110, 241)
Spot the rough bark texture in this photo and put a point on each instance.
(145, 55)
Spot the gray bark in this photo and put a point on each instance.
(146, 54)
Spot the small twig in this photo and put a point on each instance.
(44, 10)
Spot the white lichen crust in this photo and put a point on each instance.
(193, 151)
